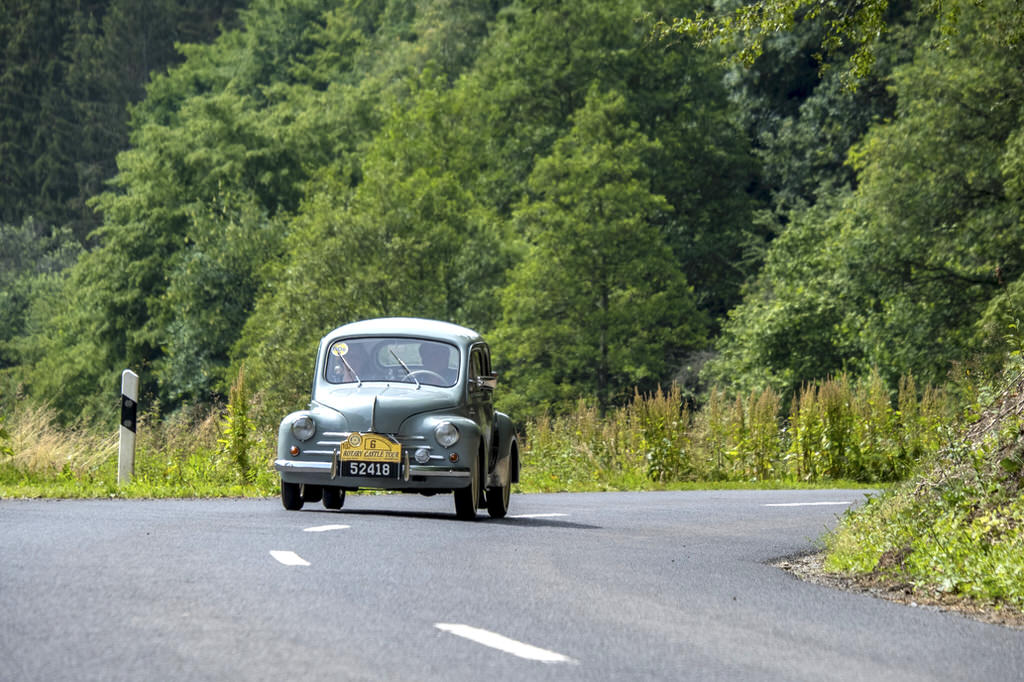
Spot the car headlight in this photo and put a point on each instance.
(446, 434)
(303, 428)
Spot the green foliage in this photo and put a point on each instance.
(6, 450)
(191, 453)
(239, 440)
(837, 430)
(958, 534)
(544, 172)
(915, 268)
(956, 526)
(213, 285)
(750, 25)
(578, 451)
(660, 424)
(789, 329)
(803, 120)
(29, 264)
(596, 263)
(655, 441)
(68, 70)
(858, 25)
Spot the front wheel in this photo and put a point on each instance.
(467, 499)
(291, 496)
(497, 499)
(334, 498)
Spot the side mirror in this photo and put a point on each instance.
(488, 382)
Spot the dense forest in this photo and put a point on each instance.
(187, 188)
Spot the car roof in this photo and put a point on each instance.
(406, 326)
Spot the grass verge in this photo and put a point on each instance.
(839, 433)
(956, 529)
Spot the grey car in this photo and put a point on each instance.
(400, 404)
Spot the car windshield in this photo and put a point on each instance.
(414, 361)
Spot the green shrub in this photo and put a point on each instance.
(183, 454)
(835, 430)
(658, 429)
(958, 525)
(806, 435)
(5, 440)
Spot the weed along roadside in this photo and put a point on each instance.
(838, 432)
(952, 536)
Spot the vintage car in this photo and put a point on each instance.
(400, 404)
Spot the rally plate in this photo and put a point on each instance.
(369, 455)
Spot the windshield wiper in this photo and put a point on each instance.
(359, 382)
(408, 372)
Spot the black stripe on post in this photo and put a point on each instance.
(128, 409)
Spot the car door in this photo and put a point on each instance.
(481, 397)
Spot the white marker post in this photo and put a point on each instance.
(129, 411)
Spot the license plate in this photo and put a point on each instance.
(370, 455)
(370, 469)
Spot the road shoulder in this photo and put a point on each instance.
(810, 568)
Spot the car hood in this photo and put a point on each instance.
(383, 408)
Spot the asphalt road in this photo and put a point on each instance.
(612, 586)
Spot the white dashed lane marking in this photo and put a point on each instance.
(288, 558)
(807, 504)
(324, 529)
(502, 643)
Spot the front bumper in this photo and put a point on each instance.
(317, 464)
(411, 472)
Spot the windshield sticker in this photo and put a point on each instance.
(340, 349)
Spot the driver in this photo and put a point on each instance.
(435, 358)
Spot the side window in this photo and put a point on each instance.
(479, 362)
(477, 365)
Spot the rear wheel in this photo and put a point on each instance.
(334, 498)
(468, 499)
(291, 496)
(497, 499)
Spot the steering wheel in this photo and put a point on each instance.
(430, 373)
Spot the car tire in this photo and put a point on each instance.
(334, 498)
(467, 499)
(497, 499)
(311, 493)
(291, 496)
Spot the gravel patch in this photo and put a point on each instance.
(811, 568)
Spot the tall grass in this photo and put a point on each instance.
(834, 430)
(37, 444)
(837, 429)
(209, 452)
(957, 526)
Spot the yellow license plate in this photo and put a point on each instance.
(370, 447)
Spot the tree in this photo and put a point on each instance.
(857, 25)
(68, 71)
(371, 158)
(789, 329)
(36, 122)
(919, 265)
(598, 304)
(934, 193)
(414, 237)
(29, 267)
